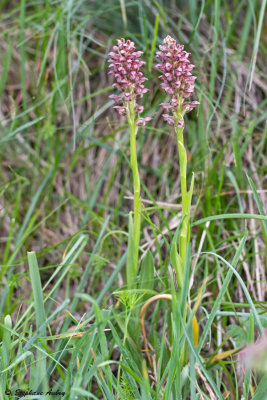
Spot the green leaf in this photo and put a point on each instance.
(261, 391)
(183, 238)
(147, 272)
(238, 334)
(189, 195)
(177, 263)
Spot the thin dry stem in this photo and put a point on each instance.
(142, 320)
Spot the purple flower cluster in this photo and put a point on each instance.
(125, 66)
(177, 79)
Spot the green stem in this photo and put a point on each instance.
(183, 240)
(186, 197)
(136, 181)
(183, 167)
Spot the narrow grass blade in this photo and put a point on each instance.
(40, 372)
(44, 325)
(257, 42)
(33, 204)
(19, 359)
(6, 346)
(259, 204)
(199, 361)
(37, 290)
(247, 377)
(110, 281)
(22, 52)
(221, 294)
(251, 304)
(235, 184)
(230, 216)
(83, 392)
(60, 272)
(5, 65)
(237, 152)
(162, 14)
(153, 45)
(214, 55)
(81, 285)
(10, 135)
(5, 351)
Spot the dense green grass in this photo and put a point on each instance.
(68, 322)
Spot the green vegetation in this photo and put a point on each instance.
(68, 321)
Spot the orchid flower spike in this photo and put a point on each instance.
(177, 79)
(125, 66)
